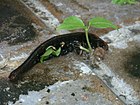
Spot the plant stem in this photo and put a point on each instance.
(84, 49)
(87, 38)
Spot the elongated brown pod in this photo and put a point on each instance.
(71, 40)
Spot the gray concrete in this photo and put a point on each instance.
(70, 80)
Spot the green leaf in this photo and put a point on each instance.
(57, 52)
(99, 22)
(50, 50)
(71, 23)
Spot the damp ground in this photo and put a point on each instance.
(27, 23)
(127, 65)
(14, 27)
(83, 88)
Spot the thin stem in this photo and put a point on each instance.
(84, 49)
(87, 38)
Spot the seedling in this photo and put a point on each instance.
(123, 2)
(73, 22)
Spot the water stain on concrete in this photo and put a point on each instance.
(126, 64)
(11, 91)
(132, 66)
(14, 26)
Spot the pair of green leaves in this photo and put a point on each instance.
(74, 22)
(51, 50)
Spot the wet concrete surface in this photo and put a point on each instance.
(10, 92)
(118, 86)
(86, 88)
(14, 27)
(123, 58)
(132, 65)
(128, 65)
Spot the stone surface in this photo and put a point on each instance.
(78, 92)
(86, 9)
(14, 27)
(70, 79)
(126, 57)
